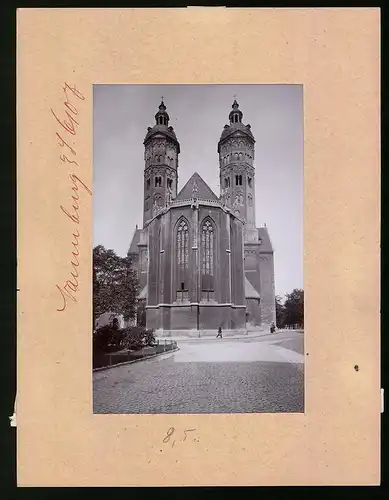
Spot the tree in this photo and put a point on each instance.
(115, 284)
(294, 308)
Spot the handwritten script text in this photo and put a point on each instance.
(67, 123)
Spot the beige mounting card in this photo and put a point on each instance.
(335, 54)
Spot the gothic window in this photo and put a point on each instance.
(226, 182)
(250, 181)
(238, 180)
(236, 156)
(156, 158)
(182, 255)
(182, 244)
(158, 181)
(169, 183)
(207, 256)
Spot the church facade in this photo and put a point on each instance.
(201, 261)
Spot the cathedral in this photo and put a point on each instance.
(201, 261)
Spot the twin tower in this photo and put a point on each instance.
(201, 261)
(236, 162)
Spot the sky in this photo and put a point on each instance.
(198, 113)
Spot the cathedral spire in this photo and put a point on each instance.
(236, 114)
(161, 117)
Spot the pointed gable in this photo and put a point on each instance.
(134, 243)
(266, 246)
(196, 186)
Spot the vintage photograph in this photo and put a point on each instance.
(198, 292)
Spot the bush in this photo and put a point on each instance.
(106, 339)
(136, 337)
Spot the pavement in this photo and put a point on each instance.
(248, 335)
(228, 375)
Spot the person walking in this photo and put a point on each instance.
(219, 332)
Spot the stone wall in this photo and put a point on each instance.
(237, 263)
(253, 275)
(268, 307)
(253, 313)
(184, 317)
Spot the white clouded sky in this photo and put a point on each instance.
(198, 114)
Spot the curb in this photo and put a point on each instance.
(208, 337)
(101, 368)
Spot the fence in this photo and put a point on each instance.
(102, 360)
(165, 345)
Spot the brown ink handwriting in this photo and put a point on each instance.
(170, 433)
(68, 120)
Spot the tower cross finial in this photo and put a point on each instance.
(234, 96)
(161, 98)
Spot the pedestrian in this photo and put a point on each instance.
(272, 328)
(219, 332)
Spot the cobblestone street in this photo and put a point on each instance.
(264, 374)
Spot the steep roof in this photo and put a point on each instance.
(134, 243)
(164, 130)
(266, 245)
(249, 290)
(236, 129)
(197, 185)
